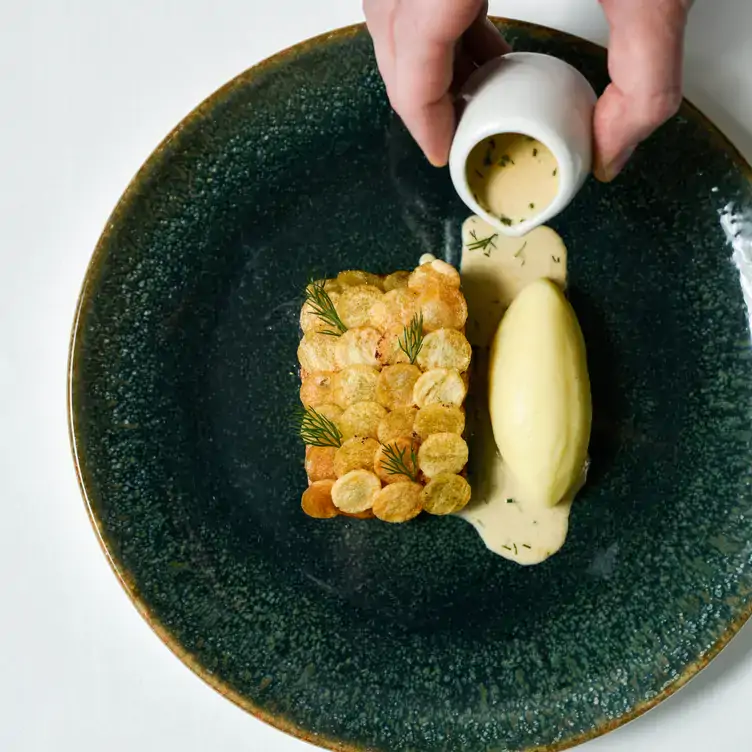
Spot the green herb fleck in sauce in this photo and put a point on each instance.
(482, 244)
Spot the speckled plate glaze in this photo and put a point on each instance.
(358, 635)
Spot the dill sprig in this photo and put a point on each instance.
(321, 305)
(482, 244)
(316, 429)
(411, 341)
(395, 463)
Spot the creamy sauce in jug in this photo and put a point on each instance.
(512, 176)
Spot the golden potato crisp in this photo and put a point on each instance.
(319, 463)
(317, 500)
(445, 348)
(310, 322)
(357, 346)
(355, 303)
(362, 419)
(395, 385)
(447, 493)
(398, 502)
(432, 274)
(317, 389)
(355, 454)
(395, 309)
(355, 384)
(354, 278)
(439, 419)
(316, 352)
(397, 424)
(355, 491)
(396, 461)
(442, 453)
(439, 386)
(442, 308)
(396, 279)
(389, 352)
(332, 412)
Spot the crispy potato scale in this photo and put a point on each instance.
(447, 493)
(398, 502)
(317, 500)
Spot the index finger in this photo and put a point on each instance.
(414, 44)
(419, 93)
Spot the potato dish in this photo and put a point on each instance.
(384, 372)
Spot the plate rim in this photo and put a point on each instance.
(126, 580)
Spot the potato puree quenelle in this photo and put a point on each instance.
(512, 176)
(539, 411)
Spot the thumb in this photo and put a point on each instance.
(645, 63)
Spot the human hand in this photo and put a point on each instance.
(645, 64)
(424, 47)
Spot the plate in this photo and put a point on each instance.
(358, 635)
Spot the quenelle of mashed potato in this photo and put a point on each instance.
(539, 394)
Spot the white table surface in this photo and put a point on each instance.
(89, 87)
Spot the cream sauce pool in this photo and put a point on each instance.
(494, 269)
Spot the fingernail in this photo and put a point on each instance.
(613, 168)
(436, 159)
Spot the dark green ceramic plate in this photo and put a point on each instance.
(411, 638)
